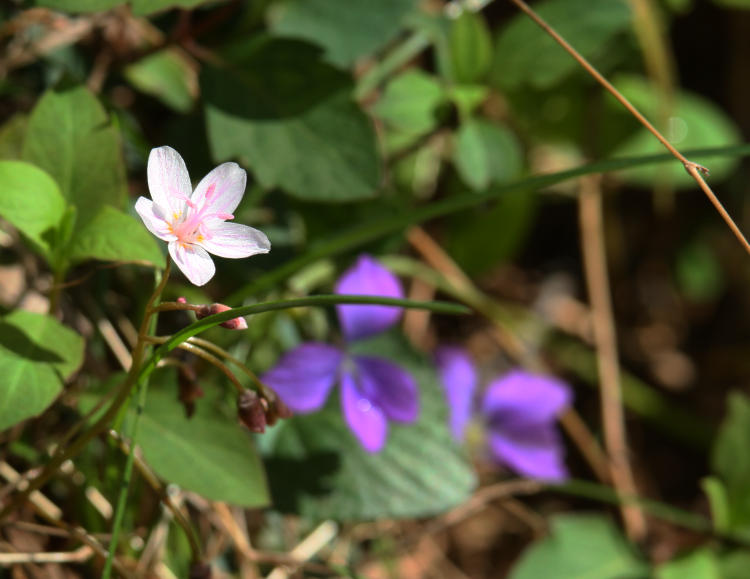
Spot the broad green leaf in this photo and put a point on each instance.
(695, 122)
(486, 153)
(347, 29)
(470, 48)
(700, 564)
(31, 201)
(139, 7)
(578, 547)
(525, 54)
(734, 565)
(207, 453)
(167, 75)
(36, 354)
(409, 101)
(484, 238)
(115, 236)
(12, 135)
(290, 118)
(731, 461)
(70, 137)
(318, 469)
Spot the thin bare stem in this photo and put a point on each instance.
(210, 358)
(694, 169)
(613, 419)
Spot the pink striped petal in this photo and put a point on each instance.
(235, 240)
(222, 189)
(168, 179)
(193, 261)
(153, 219)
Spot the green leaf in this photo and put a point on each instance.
(207, 453)
(409, 101)
(525, 54)
(318, 469)
(486, 153)
(139, 7)
(581, 546)
(694, 122)
(731, 462)
(700, 564)
(347, 29)
(290, 118)
(734, 565)
(470, 48)
(115, 236)
(31, 201)
(484, 238)
(716, 493)
(12, 135)
(70, 137)
(36, 354)
(168, 75)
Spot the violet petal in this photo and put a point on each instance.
(389, 387)
(525, 398)
(368, 277)
(364, 418)
(304, 376)
(459, 379)
(535, 451)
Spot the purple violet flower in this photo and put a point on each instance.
(374, 391)
(520, 410)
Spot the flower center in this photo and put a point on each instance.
(191, 225)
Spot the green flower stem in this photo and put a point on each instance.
(148, 326)
(367, 232)
(101, 424)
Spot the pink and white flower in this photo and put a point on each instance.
(194, 223)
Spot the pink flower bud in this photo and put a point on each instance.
(181, 300)
(233, 324)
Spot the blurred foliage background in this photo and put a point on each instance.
(416, 131)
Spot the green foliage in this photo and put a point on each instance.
(11, 136)
(32, 202)
(167, 75)
(525, 54)
(319, 470)
(139, 7)
(486, 154)
(478, 242)
(409, 102)
(347, 29)
(115, 236)
(694, 122)
(581, 546)
(207, 454)
(37, 353)
(290, 118)
(700, 564)
(69, 136)
(470, 45)
(731, 462)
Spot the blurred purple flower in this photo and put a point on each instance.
(520, 410)
(373, 390)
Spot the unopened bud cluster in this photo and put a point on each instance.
(257, 412)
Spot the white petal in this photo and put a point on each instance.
(226, 184)
(235, 240)
(168, 179)
(193, 261)
(153, 219)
